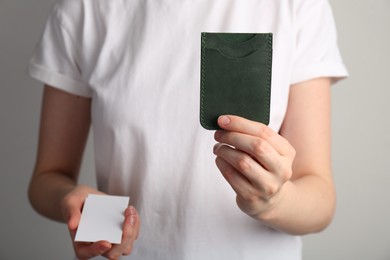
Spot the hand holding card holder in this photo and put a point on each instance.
(236, 71)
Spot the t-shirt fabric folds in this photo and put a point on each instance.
(139, 62)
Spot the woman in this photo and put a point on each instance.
(131, 70)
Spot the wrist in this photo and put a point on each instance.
(271, 213)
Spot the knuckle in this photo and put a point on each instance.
(286, 174)
(250, 198)
(264, 132)
(67, 200)
(128, 250)
(259, 147)
(293, 152)
(244, 163)
(271, 190)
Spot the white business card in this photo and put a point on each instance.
(102, 219)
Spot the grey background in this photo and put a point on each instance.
(361, 138)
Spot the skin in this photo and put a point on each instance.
(53, 190)
(281, 179)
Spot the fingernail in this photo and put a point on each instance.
(132, 220)
(224, 120)
(132, 210)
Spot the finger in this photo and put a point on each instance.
(237, 181)
(74, 220)
(72, 205)
(84, 250)
(89, 250)
(137, 222)
(257, 147)
(245, 165)
(130, 230)
(249, 200)
(245, 126)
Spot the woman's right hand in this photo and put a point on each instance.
(71, 207)
(64, 128)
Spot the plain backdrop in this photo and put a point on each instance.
(361, 138)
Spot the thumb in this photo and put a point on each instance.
(73, 218)
(74, 215)
(73, 222)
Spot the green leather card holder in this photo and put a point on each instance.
(236, 70)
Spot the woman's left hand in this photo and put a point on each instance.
(256, 162)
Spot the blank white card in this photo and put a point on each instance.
(102, 219)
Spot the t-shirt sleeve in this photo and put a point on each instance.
(316, 53)
(55, 59)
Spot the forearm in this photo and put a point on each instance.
(304, 206)
(65, 121)
(47, 191)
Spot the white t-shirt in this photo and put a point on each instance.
(139, 61)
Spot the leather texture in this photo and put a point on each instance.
(236, 70)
